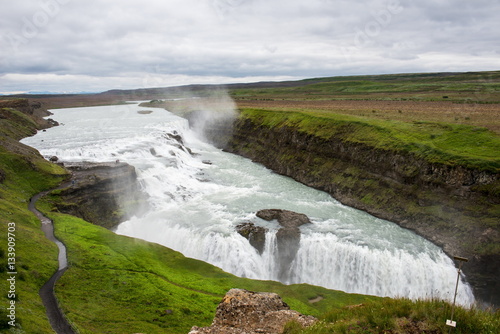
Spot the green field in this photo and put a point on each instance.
(473, 87)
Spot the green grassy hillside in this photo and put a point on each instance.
(450, 144)
(23, 173)
(36, 257)
(401, 316)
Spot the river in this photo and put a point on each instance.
(198, 194)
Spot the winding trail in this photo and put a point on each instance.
(56, 317)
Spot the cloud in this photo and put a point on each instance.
(116, 44)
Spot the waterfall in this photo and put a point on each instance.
(323, 260)
(198, 194)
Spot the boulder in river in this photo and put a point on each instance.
(287, 237)
(287, 219)
(256, 235)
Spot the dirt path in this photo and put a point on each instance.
(56, 317)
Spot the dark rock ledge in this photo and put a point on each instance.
(256, 235)
(104, 194)
(288, 236)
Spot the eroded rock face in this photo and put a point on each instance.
(33, 109)
(242, 311)
(104, 194)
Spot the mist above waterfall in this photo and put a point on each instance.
(210, 112)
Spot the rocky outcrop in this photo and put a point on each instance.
(287, 219)
(256, 235)
(247, 312)
(450, 205)
(104, 194)
(287, 237)
(20, 118)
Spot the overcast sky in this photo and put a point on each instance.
(73, 46)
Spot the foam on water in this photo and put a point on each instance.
(196, 205)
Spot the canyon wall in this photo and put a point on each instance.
(451, 205)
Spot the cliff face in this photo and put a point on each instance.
(104, 194)
(453, 206)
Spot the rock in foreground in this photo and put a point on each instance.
(242, 311)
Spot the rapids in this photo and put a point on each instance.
(198, 194)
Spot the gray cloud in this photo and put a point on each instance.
(70, 45)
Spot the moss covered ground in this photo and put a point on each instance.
(401, 316)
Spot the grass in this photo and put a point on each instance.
(15, 124)
(402, 316)
(23, 173)
(477, 87)
(450, 144)
(457, 98)
(36, 257)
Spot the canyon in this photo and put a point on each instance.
(451, 205)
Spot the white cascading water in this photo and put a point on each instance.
(196, 200)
